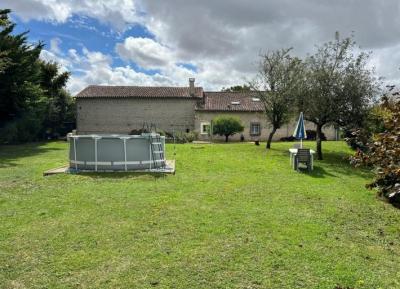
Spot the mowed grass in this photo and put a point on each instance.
(233, 216)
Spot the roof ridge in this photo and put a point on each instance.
(144, 86)
(230, 91)
(139, 91)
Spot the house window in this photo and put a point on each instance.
(255, 128)
(205, 128)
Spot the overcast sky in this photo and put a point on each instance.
(159, 42)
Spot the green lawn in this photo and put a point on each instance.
(233, 216)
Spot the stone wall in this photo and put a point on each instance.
(122, 115)
(247, 118)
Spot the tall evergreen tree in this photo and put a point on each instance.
(20, 70)
(33, 99)
(4, 60)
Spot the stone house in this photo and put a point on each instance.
(121, 109)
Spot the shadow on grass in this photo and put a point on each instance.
(334, 164)
(337, 163)
(320, 172)
(10, 154)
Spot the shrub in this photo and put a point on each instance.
(288, 138)
(185, 137)
(180, 136)
(312, 135)
(138, 131)
(144, 130)
(358, 137)
(9, 133)
(27, 128)
(383, 154)
(226, 126)
(191, 136)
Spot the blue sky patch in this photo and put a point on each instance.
(79, 32)
(188, 66)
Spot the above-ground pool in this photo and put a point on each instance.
(116, 152)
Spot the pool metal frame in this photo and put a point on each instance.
(143, 164)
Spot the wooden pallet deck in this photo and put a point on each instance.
(169, 169)
(59, 170)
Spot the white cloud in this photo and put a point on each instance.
(228, 35)
(211, 73)
(51, 10)
(93, 67)
(387, 63)
(221, 38)
(55, 45)
(50, 56)
(145, 52)
(118, 13)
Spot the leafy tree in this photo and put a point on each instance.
(383, 153)
(226, 126)
(358, 136)
(237, 88)
(277, 85)
(58, 100)
(19, 89)
(338, 87)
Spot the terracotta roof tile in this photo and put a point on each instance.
(212, 101)
(95, 91)
(231, 101)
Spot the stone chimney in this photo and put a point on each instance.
(191, 87)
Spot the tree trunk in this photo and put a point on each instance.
(319, 142)
(226, 137)
(271, 135)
